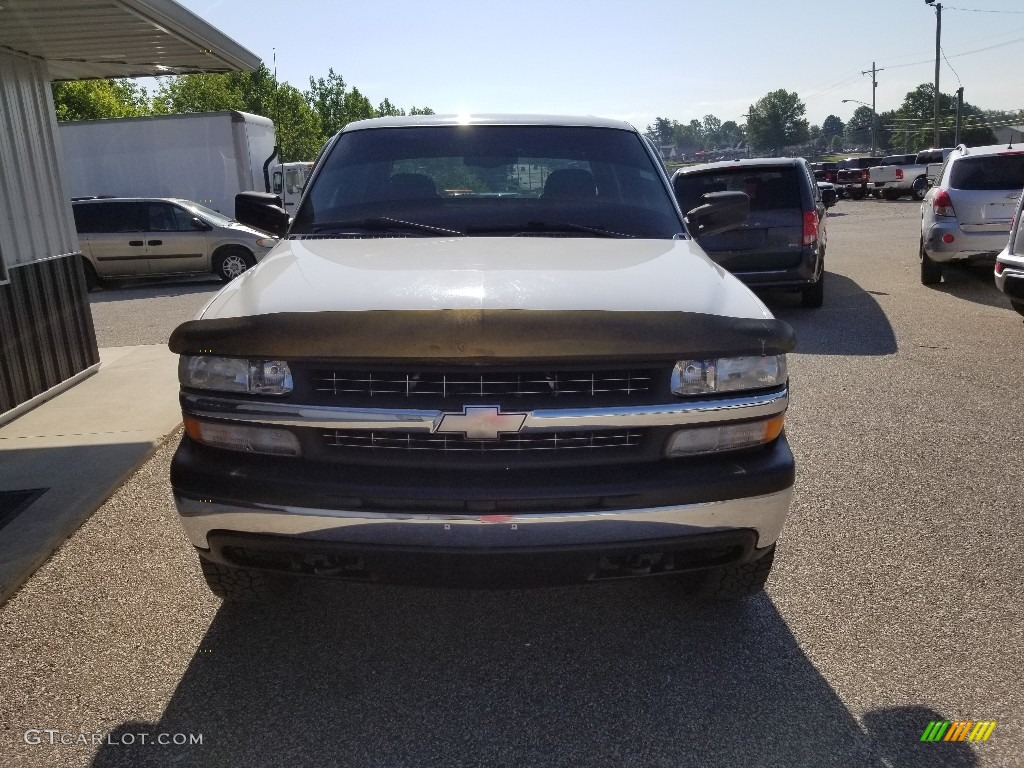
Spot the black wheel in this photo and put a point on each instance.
(92, 280)
(734, 582)
(890, 194)
(231, 262)
(931, 271)
(240, 584)
(1018, 307)
(920, 188)
(813, 296)
(857, 194)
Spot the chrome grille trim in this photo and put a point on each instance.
(515, 443)
(494, 384)
(680, 413)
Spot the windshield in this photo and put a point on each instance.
(212, 216)
(488, 179)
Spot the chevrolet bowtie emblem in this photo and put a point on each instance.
(481, 422)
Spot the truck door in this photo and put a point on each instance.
(118, 243)
(173, 244)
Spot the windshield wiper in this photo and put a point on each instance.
(547, 227)
(380, 224)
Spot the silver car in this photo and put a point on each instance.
(140, 237)
(1010, 264)
(967, 215)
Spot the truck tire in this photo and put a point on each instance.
(890, 194)
(239, 584)
(734, 582)
(229, 263)
(931, 271)
(920, 188)
(813, 296)
(858, 194)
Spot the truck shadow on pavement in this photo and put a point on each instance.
(614, 675)
(851, 321)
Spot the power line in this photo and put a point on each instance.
(976, 10)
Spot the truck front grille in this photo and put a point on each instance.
(513, 443)
(618, 384)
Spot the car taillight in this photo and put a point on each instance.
(810, 227)
(899, 174)
(1000, 267)
(864, 177)
(942, 205)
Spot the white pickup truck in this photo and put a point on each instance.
(488, 351)
(895, 181)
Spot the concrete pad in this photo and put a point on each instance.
(80, 446)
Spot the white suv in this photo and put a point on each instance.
(968, 213)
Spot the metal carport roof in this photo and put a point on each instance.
(118, 38)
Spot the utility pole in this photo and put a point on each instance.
(938, 52)
(874, 84)
(959, 113)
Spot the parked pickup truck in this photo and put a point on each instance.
(488, 351)
(852, 176)
(895, 181)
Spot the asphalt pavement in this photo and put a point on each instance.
(896, 598)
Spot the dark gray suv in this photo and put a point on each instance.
(783, 242)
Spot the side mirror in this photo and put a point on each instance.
(720, 211)
(262, 210)
(199, 224)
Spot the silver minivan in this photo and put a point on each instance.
(140, 237)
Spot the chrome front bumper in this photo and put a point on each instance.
(764, 514)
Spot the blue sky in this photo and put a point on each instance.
(634, 60)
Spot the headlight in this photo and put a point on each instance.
(728, 374)
(266, 242)
(231, 374)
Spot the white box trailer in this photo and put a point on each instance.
(206, 157)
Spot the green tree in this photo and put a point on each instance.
(387, 109)
(711, 131)
(196, 93)
(731, 133)
(335, 104)
(662, 132)
(420, 111)
(94, 99)
(777, 120)
(831, 126)
(858, 128)
(916, 119)
(837, 143)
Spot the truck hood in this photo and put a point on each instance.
(533, 273)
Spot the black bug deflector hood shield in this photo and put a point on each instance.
(483, 336)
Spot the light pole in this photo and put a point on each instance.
(938, 51)
(872, 105)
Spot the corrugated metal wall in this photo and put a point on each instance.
(46, 330)
(34, 213)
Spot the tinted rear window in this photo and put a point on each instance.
(108, 217)
(989, 172)
(767, 188)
